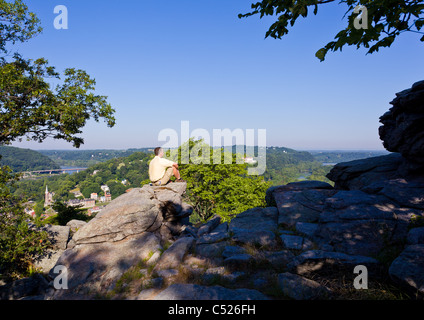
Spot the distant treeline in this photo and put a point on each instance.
(125, 169)
(19, 159)
(86, 158)
(344, 156)
(284, 165)
(275, 155)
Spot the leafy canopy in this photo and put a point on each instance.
(30, 107)
(218, 187)
(387, 19)
(19, 241)
(67, 213)
(17, 24)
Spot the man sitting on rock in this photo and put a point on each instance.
(161, 169)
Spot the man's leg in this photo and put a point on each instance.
(176, 173)
(166, 177)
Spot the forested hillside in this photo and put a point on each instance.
(19, 159)
(86, 158)
(118, 174)
(284, 165)
(344, 156)
(123, 169)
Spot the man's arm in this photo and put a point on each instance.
(168, 163)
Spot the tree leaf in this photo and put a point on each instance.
(320, 54)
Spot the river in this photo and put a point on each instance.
(70, 167)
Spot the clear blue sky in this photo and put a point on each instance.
(163, 62)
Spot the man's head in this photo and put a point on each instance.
(158, 152)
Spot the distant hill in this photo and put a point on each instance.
(278, 156)
(86, 158)
(344, 156)
(25, 159)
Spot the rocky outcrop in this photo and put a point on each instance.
(33, 287)
(148, 209)
(256, 226)
(132, 228)
(386, 193)
(323, 262)
(407, 269)
(173, 257)
(196, 292)
(301, 288)
(381, 176)
(59, 237)
(300, 201)
(402, 129)
(242, 259)
(364, 173)
(96, 267)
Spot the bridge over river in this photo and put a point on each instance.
(53, 171)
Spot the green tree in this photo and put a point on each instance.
(89, 187)
(116, 188)
(67, 213)
(19, 241)
(39, 208)
(63, 189)
(387, 19)
(17, 24)
(30, 107)
(221, 188)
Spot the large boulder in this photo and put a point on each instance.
(94, 268)
(255, 226)
(323, 262)
(301, 288)
(76, 224)
(22, 288)
(59, 237)
(197, 292)
(406, 192)
(416, 236)
(361, 224)
(173, 256)
(358, 174)
(402, 130)
(128, 230)
(140, 210)
(408, 268)
(384, 194)
(301, 201)
(381, 176)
